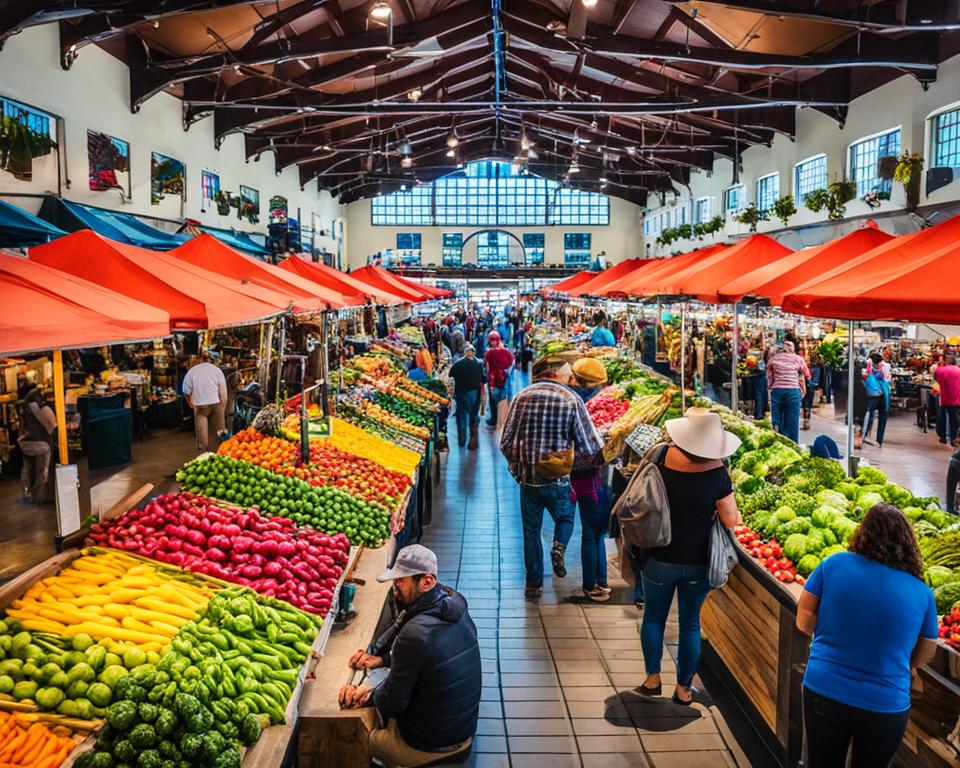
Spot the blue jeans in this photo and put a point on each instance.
(533, 500)
(496, 395)
(660, 581)
(785, 412)
(875, 403)
(759, 396)
(594, 519)
(468, 414)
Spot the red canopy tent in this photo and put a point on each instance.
(48, 309)
(637, 283)
(354, 291)
(569, 283)
(775, 279)
(380, 278)
(147, 321)
(912, 277)
(595, 286)
(435, 293)
(700, 279)
(194, 297)
(210, 253)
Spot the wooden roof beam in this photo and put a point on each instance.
(884, 17)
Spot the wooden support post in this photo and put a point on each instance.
(60, 406)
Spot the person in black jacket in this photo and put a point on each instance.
(430, 700)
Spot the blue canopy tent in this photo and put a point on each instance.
(19, 228)
(239, 240)
(116, 225)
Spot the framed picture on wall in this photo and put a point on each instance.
(209, 189)
(167, 177)
(249, 204)
(109, 161)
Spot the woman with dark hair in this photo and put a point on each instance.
(872, 619)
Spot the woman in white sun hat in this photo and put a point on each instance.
(698, 488)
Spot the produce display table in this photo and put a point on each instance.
(331, 737)
(751, 640)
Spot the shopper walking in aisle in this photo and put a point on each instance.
(592, 498)
(699, 490)
(548, 433)
(872, 383)
(468, 376)
(37, 423)
(429, 701)
(498, 361)
(947, 376)
(857, 692)
(787, 374)
(205, 390)
(602, 336)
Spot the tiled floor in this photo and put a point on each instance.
(558, 676)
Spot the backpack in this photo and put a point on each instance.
(643, 511)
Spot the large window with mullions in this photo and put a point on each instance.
(491, 193)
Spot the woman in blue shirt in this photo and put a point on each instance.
(872, 619)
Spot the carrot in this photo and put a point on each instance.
(34, 735)
(12, 746)
(52, 761)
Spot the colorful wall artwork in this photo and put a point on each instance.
(167, 177)
(249, 204)
(109, 161)
(209, 188)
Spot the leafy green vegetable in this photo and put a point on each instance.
(795, 547)
(807, 565)
(867, 475)
(946, 596)
(938, 575)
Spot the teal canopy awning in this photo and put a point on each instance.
(116, 225)
(239, 240)
(19, 229)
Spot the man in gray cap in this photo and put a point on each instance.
(429, 701)
(469, 375)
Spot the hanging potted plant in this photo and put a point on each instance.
(908, 172)
(784, 208)
(834, 199)
(752, 216)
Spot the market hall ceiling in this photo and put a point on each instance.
(366, 95)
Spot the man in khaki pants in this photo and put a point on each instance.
(205, 389)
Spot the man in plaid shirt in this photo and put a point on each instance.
(548, 432)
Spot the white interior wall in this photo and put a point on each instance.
(622, 239)
(94, 95)
(901, 103)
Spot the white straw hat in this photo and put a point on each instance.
(701, 433)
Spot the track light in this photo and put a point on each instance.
(406, 162)
(381, 11)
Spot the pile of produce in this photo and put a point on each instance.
(25, 743)
(606, 407)
(326, 509)
(768, 554)
(352, 439)
(379, 429)
(429, 393)
(645, 409)
(950, 627)
(271, 556)
(328, 466)
(111, 596)
(377, 367)
(376, 411)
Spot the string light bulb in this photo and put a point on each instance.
(406, 162)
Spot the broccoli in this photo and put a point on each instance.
(227, 729)
(229, 758)
(250, 728)
(165, 723)
(807, 484)
(213, 745)
(168, 750)
(143, 736)
(148, 712)
(122, 714)
(149, 758)
(946, 596)
(795, 546)
(185, 705)
(200, 721)
(867, 475)
(168, 763)
(801, 503)
(84, 759)
(807, 565)
(767, 498)
(124, 751)
(191, 744)
(101, 760)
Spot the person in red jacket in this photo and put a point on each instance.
(499, 361)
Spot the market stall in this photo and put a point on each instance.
(356, 291)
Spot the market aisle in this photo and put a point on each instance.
(558, 676)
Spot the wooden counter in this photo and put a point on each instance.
(751, 641)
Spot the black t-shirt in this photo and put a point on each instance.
(468, 375)
(693, 500)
